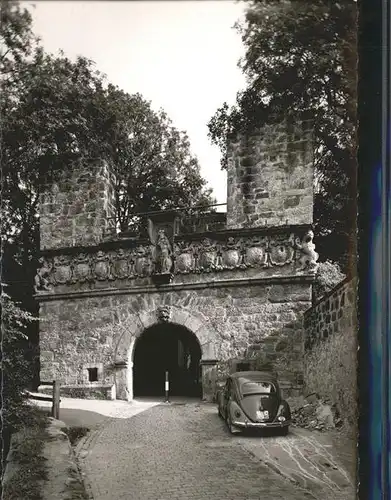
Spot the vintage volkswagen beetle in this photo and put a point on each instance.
(253, 399)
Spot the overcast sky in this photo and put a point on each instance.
(180, 55)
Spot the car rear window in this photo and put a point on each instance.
(256, 387)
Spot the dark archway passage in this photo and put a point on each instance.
(167, 347)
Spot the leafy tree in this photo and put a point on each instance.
(152, 161)
(55, 112)
(328, 276)
(300, 58)
(15, 370)
(58, 111)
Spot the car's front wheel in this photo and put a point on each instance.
(284, 431)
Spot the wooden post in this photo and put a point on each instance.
(56, 400)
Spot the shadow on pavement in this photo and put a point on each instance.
(80, 418)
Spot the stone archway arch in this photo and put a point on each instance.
(136, 324)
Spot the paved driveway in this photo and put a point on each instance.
(177, 452)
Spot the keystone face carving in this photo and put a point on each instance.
(164, 314)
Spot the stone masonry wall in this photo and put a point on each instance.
(330, 367)
(335, 312)
(77, 207)
(270, 177)
(78, 333)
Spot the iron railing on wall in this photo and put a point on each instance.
(192, 219)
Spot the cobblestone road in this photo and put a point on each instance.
(177, 452)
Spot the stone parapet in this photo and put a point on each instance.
(260, 253)
(83, 391)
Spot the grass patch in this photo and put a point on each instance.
(75, 486)
(75, 433)
(26, 480)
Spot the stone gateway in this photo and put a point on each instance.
(194, 295)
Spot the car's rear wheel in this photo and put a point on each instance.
(232, 429)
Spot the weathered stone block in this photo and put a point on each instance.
(292, 201)
(290, 293)
(259, 196)
(46, 358)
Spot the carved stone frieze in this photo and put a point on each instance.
(208, 255)
(162, 254)
(81, 268)
(307, 257)
(184, 257)
(143, 261)
(232, 253)
(101, 266)
(121, 265)
(132, 264)
(256, 252)
(41, 280)
(281, 250)
(62, 270)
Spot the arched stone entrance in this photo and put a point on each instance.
(166, 319)
(167, 347)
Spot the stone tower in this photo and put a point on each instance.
(270, 177)
(77, 206)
